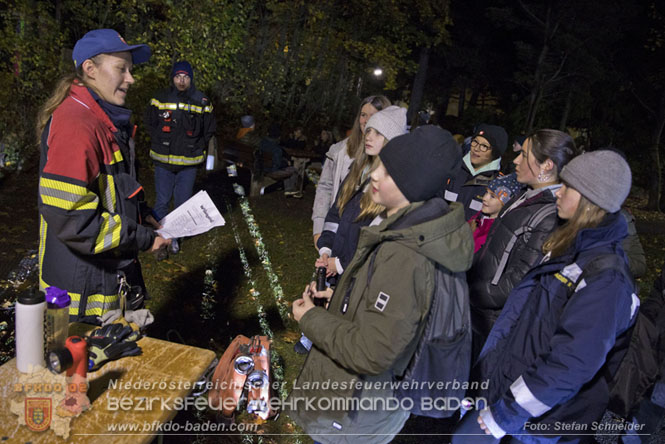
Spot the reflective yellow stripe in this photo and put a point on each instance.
(96, 304)
(66, 196)
(183, 106)
(43, 227)
(107, 191)
(160, 105)
(117, 157)
(63, 186)
(109, 233)
(176, 160)
(191, 108)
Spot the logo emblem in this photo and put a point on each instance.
(381, 301)
(38, 413)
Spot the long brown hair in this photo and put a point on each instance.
(587, 215)
(60, 93)
(355, 148)
(356, 142)
(356, 177)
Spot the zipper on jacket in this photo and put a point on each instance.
(347, 297)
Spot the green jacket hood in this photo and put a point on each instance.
(433, 228)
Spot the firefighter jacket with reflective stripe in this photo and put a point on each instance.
(88, 206)
(181, 124)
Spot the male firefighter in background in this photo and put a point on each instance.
(181, 124)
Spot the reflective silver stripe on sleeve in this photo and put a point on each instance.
(330, 226)
(526, 399)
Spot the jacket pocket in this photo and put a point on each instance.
(129, 193)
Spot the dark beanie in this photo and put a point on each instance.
(182, 67)
(421, 162)
(495, 135)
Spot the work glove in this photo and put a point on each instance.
(108, 348)
(117, 331)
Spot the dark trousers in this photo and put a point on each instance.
(169, 184)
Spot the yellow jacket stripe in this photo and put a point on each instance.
(66, 196)
(97, 304)
(109, 234)
(117, 157)
(183, 106)
(176, 160)
(107, 191)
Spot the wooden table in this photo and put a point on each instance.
(175, 366)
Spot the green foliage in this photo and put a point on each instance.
(288, 61)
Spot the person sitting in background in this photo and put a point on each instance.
(499, 191)
(323, 143)
(296, 140)
(247, 134)
(270, 144)
(480, 166)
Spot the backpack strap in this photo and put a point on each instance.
(573, 276)
(540, 215)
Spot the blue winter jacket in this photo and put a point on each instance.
(545, 356)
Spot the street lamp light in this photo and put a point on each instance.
(378, 72)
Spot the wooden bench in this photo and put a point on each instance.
(244, 156)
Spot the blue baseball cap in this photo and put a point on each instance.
(102, 41)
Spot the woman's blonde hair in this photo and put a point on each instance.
(369, 208)
(587, 215)
(60, 93)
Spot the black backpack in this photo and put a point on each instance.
(633, 365)
(437, 376)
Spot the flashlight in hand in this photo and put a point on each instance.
(320, 285)
(73, 358)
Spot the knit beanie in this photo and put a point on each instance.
(182, 67)
(390, 122)
(421, 162)
(247, 121)
(505, 187)
(601, 176)
(495, 135)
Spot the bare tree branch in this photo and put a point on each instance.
(531, 15)
(641, 102)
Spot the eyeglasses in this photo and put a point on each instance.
(483, 148)
(183, 77)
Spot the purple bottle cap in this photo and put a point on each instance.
(57, 298)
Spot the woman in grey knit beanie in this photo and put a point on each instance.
(594, 184)
(564, 320)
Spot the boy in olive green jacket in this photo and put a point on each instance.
(377, 314)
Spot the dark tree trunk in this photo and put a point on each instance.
(566, 110)
(418, 86)
(655, 184)
(462, 99)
